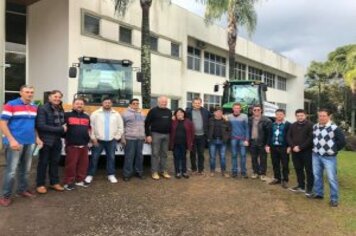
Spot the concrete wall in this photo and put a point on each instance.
(2, 51)
(48, 46)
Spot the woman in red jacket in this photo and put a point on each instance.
(181, 140)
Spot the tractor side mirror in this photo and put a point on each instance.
(216, 88)
(72, 72)
(139, 77)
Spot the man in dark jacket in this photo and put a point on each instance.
(77, 139)
(278, 146)
(200, 118)
(259, 127)
(328, 139)
(50, 126)
(300, 139)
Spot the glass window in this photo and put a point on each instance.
(211, 101)
(270, 79)
(282, 106)
(154, 43)
(153, 102)
(125, 35)
(254, 73)
(15, 28)
(282, 83)
(240, 71)
(13, 7)
(193, 58)
(174, 49)
(214, 64)
(91, 24)
(190, 97)
(174, 104)
(16, 74)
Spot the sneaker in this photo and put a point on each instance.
(234, 175)
(165, 175)
(57, 187)
(297, 189)
(83, 184)
(89, 179)
(333, 204)
(212, 174)
(226, 175)
(112, 179)
(69, 187)
(27, 193)
(284, 184)
(274, 182)
(315, 196)
(245, 176)
(254, 176)
(201, 173)
(155, 176)
(178, 176)
(185, 175)
(126, 179)
(41, 189)
(263, 178)
(5, 201)
(308, 193)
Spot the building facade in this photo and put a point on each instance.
(188, 57)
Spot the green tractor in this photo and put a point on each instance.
(247, 93)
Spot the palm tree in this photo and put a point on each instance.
(239, 13)
(121, 7)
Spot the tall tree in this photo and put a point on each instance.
(121, 8)
(239, 13)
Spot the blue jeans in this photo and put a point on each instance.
(217, 145)
(330, 165)
(133, 154)
(180, 160)
(109, 147)
(17, 162)
(237, 147)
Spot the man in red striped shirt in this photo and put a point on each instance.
(17, 123)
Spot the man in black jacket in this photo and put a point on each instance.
(200, 118)
(157, 129)
(259, 127)
(77, 139)
(300, 139)
(50, 126)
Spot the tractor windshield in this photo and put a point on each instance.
(102, 79)
(244, 94)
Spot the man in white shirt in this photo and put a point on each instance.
(106, 130)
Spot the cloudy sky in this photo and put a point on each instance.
(303, 30)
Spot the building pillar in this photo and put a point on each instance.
(2, 57)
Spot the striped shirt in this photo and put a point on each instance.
(21, 121)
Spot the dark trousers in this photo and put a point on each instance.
(180, 160)
(198, 150)
(133, 157)
(49, 157)
(302, 161)
(279, 156)
(259, 158)
(76, 164)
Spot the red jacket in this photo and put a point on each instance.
(189, 131)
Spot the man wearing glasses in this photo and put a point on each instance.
(259, 127)
(133, 139)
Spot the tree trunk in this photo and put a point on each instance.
(146, 54)
(231, 41)
(353, 107)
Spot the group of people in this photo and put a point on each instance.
(23, 124)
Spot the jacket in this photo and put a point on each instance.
(48, 131)
(205, 114)
(189, 131)
(284, 138)
(264, 127)
(78, 124)
(134, 124)
(226, 129)
(97, 121)
(301, 134)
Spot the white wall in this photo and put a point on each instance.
(48, 46)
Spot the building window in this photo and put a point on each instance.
(214, 64)
(282, 83)
(153, 102)
(174, 104)
(154, 43)
(211, 101)
(270, 79)
(193, 58)
(240, 71)
(190, 98)
(125, 35)
(91, 24)
(254, 73)
(282, 106)
(174, 50)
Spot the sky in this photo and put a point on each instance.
(302, 30)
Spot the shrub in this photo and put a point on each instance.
(350, 143)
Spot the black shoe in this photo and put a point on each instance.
(315, 196)
(140, 176)
(126, 179)
(297, 189)
(185, 175)
(234, 175)
(284, 184)
(333, 204)
(245, 176)
(308, 193)
(69, 187)
(178, 176)
(275, 181)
